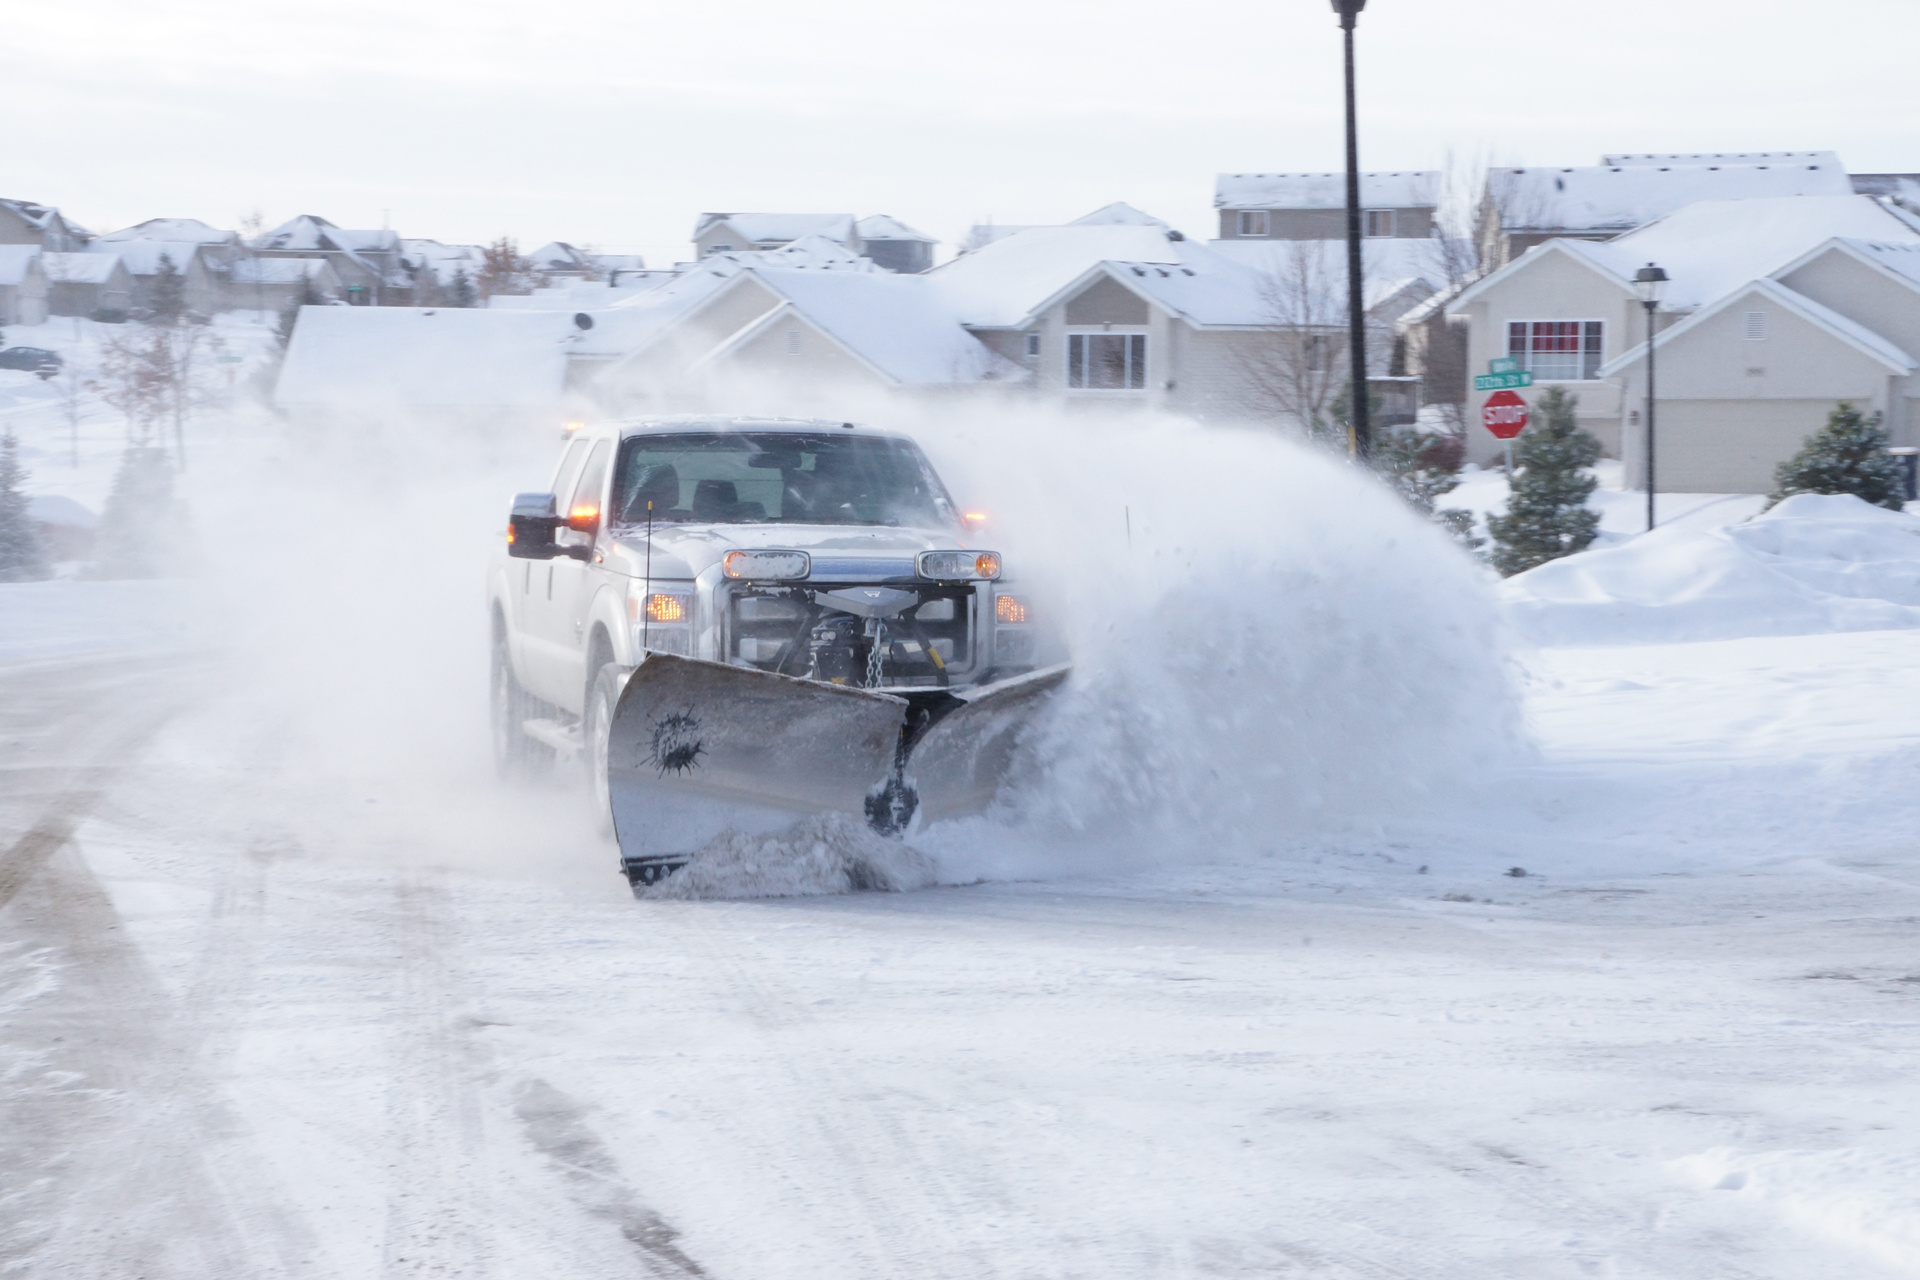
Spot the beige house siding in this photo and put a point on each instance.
(1729, 410)
(26, 302)
(1863, 294)
(1414, 223)
(1557, 287)
(792, 347)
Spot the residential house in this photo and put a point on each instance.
(204, 269)
(213, 253)
(1754, 333)
(23, 285)
(1125, 314)
(733, 232)
(25, 222)
(1117, 214)
(87, 284)
(371, 264)
(1902, 189)
(826, 328)
(431, 268)
(894, 245)
(275, 284)
(1313, 206)
(1525, 207)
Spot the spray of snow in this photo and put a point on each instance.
(828, 853)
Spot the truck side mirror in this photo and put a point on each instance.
(530, 527)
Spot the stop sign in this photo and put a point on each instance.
(1504, 414)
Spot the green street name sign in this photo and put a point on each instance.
(1501, 381)
(1503, 364)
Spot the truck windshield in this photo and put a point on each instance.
(777, 478)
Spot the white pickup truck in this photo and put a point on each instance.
(791, 552)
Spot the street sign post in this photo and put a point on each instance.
(1501, 381)
(1505, 415)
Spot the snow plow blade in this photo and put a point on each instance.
(958, 764)
(696, 748)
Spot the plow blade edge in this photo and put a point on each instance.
(960, 762)
(697, 747)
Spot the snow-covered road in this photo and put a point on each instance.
(257, 1021)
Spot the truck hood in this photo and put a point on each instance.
(687, 550)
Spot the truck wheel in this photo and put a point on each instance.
(515, 755)
(602, 697)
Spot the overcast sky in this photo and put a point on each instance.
(613, 123)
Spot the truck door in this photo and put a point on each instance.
(563, 639)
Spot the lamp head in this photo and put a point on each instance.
(1349, 11)
(1650, 282)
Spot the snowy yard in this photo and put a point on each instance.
(290, 986)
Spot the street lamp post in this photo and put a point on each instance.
(1349, 11)
(1650, 282)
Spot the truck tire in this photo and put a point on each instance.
(603, 695)
(515, 755)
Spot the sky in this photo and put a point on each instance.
(613, 124)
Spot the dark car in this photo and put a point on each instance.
(29, 358)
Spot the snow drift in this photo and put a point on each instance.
(1816, 563)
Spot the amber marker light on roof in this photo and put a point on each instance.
(975, 517)
(574, 426)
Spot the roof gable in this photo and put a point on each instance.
(1850, 332)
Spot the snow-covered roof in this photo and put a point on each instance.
(1657, 158)
(1713, 246)
(58, 509)
(1400, 189)
(374, 359)
(442, 260)
(1849, 331)
(16, 262)
(1001, 284)
(174, 229)
(39, 215)
(780, 228)
(142, 257)
(79, 268)
(881, 226)
(1118, 214)
(1606, 197)
(313, 234)
(1390, 265)
(902, 326)
(278, 270)
(558, 255)
(1899, 256)
(619, 261)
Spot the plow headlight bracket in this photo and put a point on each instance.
(766, 566)
(958, 566)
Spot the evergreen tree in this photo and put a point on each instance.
(23, 557)
(307, 297)
(464, 292)
(169, 292)
(1547, 515)
(142, 529)
(1423, 467)
(1848, 455)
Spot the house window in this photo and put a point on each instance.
(1107, 361)
(1033, 346)
(1253, 222)
(1556, 350)
(1756, 326)
(1379, 222)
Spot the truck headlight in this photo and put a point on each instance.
(957, 566)
(767, 566)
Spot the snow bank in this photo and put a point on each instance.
(66, 619)
(1866, 1199)
(1816, 563)
(830, 853)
